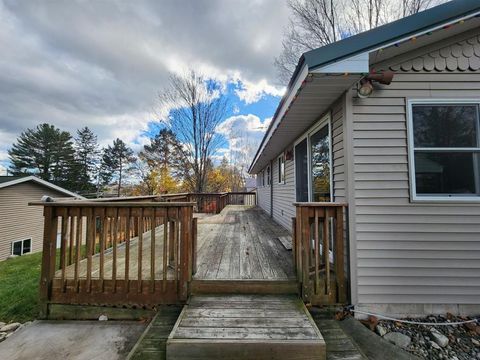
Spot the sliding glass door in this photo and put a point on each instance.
(312, 166)
(320, 165)
(301, 171)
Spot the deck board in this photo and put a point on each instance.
(242, 243)
(245, 327)
(239, 243)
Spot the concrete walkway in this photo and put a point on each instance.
(73, 340)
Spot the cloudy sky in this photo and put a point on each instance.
(102, 63)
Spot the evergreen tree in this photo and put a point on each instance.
(47, 152)
(87, 154)
(164, 152)
(114, 161)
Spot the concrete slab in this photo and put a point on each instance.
(73, 340)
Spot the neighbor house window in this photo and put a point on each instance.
(21, 247)
(445, 149)
(281, 169)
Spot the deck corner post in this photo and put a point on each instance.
(48, 259)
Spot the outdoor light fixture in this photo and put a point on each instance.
(366, 87)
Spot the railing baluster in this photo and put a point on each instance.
(78, 248)
(316, 240)
(152, 251)
(340, 256)
(71, 236)
(166, 224)
(326, 250)
(140, 250)
(63, 246)
(115, 229)
(90, 243)
(128, 222)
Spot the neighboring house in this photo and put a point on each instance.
(21, 226)
(406, 158)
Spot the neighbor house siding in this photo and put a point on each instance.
(18, 221)
(411, 254)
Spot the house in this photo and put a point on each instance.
(401, 153)
(21, 226)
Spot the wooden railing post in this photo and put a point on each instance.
(48, 258)
(194, 245)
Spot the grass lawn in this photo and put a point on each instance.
(19, 282)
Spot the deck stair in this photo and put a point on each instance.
(245, 327)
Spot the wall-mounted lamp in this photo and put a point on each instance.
(366, 87)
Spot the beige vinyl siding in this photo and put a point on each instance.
(409, 253)
(263, 192)
(338, 161)
(284, 194)
(18, 221)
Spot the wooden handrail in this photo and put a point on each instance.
(319, 251)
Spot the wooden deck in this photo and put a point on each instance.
(242, 243)
(245, 327)
(239, 243)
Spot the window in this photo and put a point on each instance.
(313, 164)
(21, 247)
(445, 150)
(281, 169)
(263, 178)
(268, 176)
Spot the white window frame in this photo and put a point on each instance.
(281, 171)
(414, 197)
(324, 120)
(21, 241)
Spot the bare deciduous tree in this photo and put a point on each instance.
(315, 23)
(197, 106)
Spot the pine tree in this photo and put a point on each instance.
(164, 152)
(114, 161)
(47, 152)
(87, 154)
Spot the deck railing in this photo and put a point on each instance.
(213, 203)
(116, 253)
(319, 252)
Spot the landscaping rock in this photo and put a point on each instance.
(439, 338)
(10, 327)
(475, 342)
(3, 336)
(2, 324)
(380, 330)
(434, 345)
(398, 339)
(103, 318)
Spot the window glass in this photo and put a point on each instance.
(17, 248)
(445, 125)
(320, 153)
(445, 173)
(27, 246)
(268, 175)
(281, 169)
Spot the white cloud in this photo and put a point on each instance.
(244, 134)
(251, 92)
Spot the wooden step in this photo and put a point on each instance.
(245, 327)
(272, 287)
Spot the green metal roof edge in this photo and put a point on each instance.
(390, 32)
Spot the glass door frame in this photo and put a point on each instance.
(324, 121)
